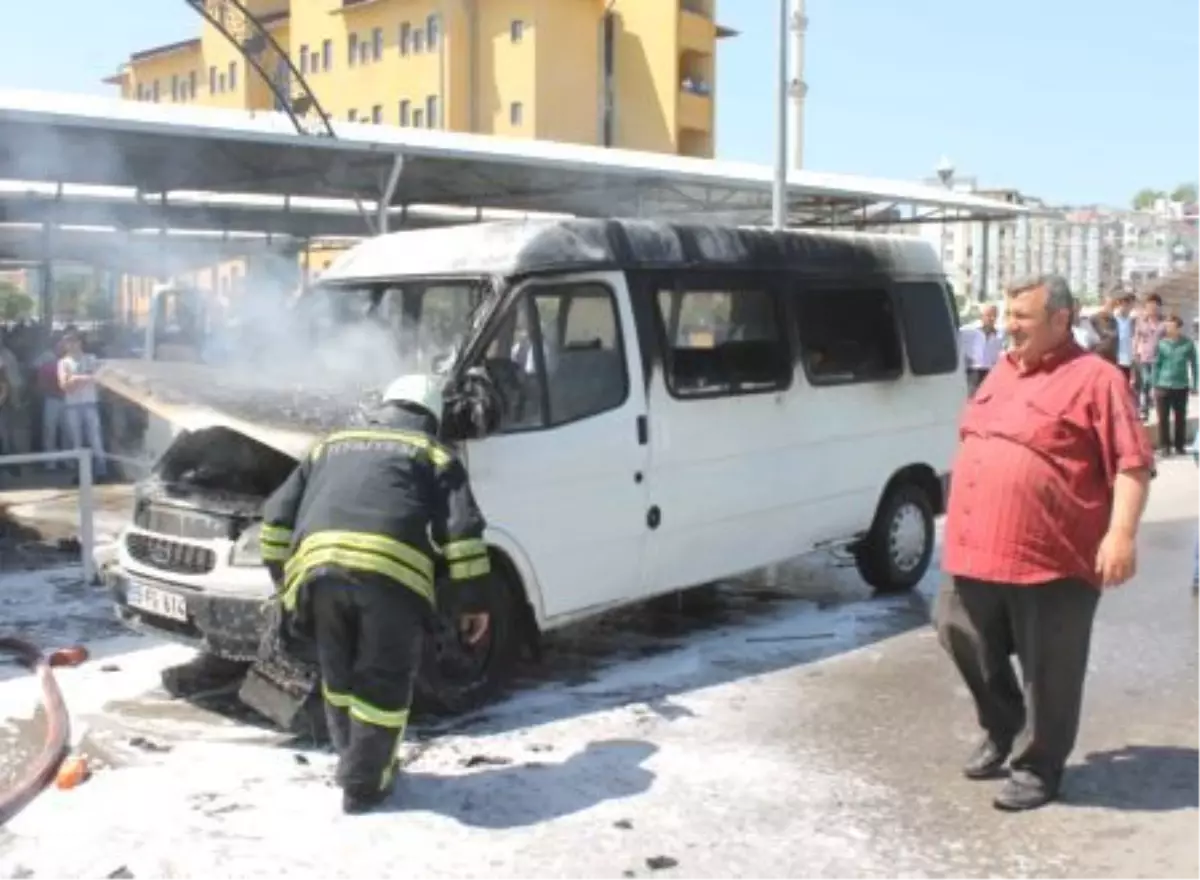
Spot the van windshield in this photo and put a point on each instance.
(416, 326)
(353, 335)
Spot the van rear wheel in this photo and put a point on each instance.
(456, 677)
(895, 553)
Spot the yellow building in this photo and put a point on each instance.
(636, 74)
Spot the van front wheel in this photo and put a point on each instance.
(895, 553)
(456, 677)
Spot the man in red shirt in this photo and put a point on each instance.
(1047, 491)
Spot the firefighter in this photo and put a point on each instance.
(354, 539)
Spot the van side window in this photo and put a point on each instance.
(558, 357)
(585, 361)
(723, 342)
(511, 361)
(929, 328)
(847, 334)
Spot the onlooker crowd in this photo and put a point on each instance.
(1155, 355)
(48, 396)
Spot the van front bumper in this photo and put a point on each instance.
(225, 626)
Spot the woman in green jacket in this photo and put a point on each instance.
(1174, 375)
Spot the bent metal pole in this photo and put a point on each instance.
(779, 193)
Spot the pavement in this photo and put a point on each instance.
(792, 727)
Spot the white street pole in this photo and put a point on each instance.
(779, 193)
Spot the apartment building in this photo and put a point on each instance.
(637, 74)
(634, 74)
(983, 259)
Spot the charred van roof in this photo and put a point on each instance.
(522, 247)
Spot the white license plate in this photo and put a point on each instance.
(159, 602)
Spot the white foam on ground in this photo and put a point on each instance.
(625, 745)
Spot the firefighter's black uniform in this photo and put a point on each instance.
(355, 539)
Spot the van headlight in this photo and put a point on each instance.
(247, 550)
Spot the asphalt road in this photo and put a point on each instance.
(798, 730)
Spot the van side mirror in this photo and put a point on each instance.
(473, 406)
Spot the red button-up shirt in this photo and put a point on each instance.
(1031, 491)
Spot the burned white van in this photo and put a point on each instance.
(642, 407)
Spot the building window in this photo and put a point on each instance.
(848, 335)
(352, 49)
(516, 113)
(405, 112)
(364, 52)
(377, 114)
(723, 342)
(303, 59)
(192, 77)
(418, 42)
(212, 80)
(232, 74)
(377, 44)
(405, 37)
(314, 61)
(154, 91)
(141, 92)
(431, 111)
(418, 118)
(352, 115)
(517, 30)
(174, 87)
(433, 27)
(327, 55)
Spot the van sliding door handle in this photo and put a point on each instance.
(643, 431)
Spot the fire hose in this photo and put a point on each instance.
(57, 740)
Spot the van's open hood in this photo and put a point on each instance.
(285, 415)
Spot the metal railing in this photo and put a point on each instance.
(87, 528)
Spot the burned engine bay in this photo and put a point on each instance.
(211, 483)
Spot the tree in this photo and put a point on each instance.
(1185, 192)
(14, 302)
(69, 294)
(1146, 198)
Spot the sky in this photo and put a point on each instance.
(1073, 101)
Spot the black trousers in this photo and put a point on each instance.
(1049, 628)
(369, 639)
(975, 377)
(1172, 413)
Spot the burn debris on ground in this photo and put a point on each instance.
(24, 547)
(661, 863)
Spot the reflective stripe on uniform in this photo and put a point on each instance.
(464, 549)
(275, 543)
(470, 568)
(363, 711)
(439, 456)
(335, 698)
(359, 551)
(367, 713)
(468, 559)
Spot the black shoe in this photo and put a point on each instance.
(987, 760)
(1025, 791)
(358, 801)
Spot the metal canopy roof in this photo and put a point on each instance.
(144, 254)
(122, 208)
(158, 147)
